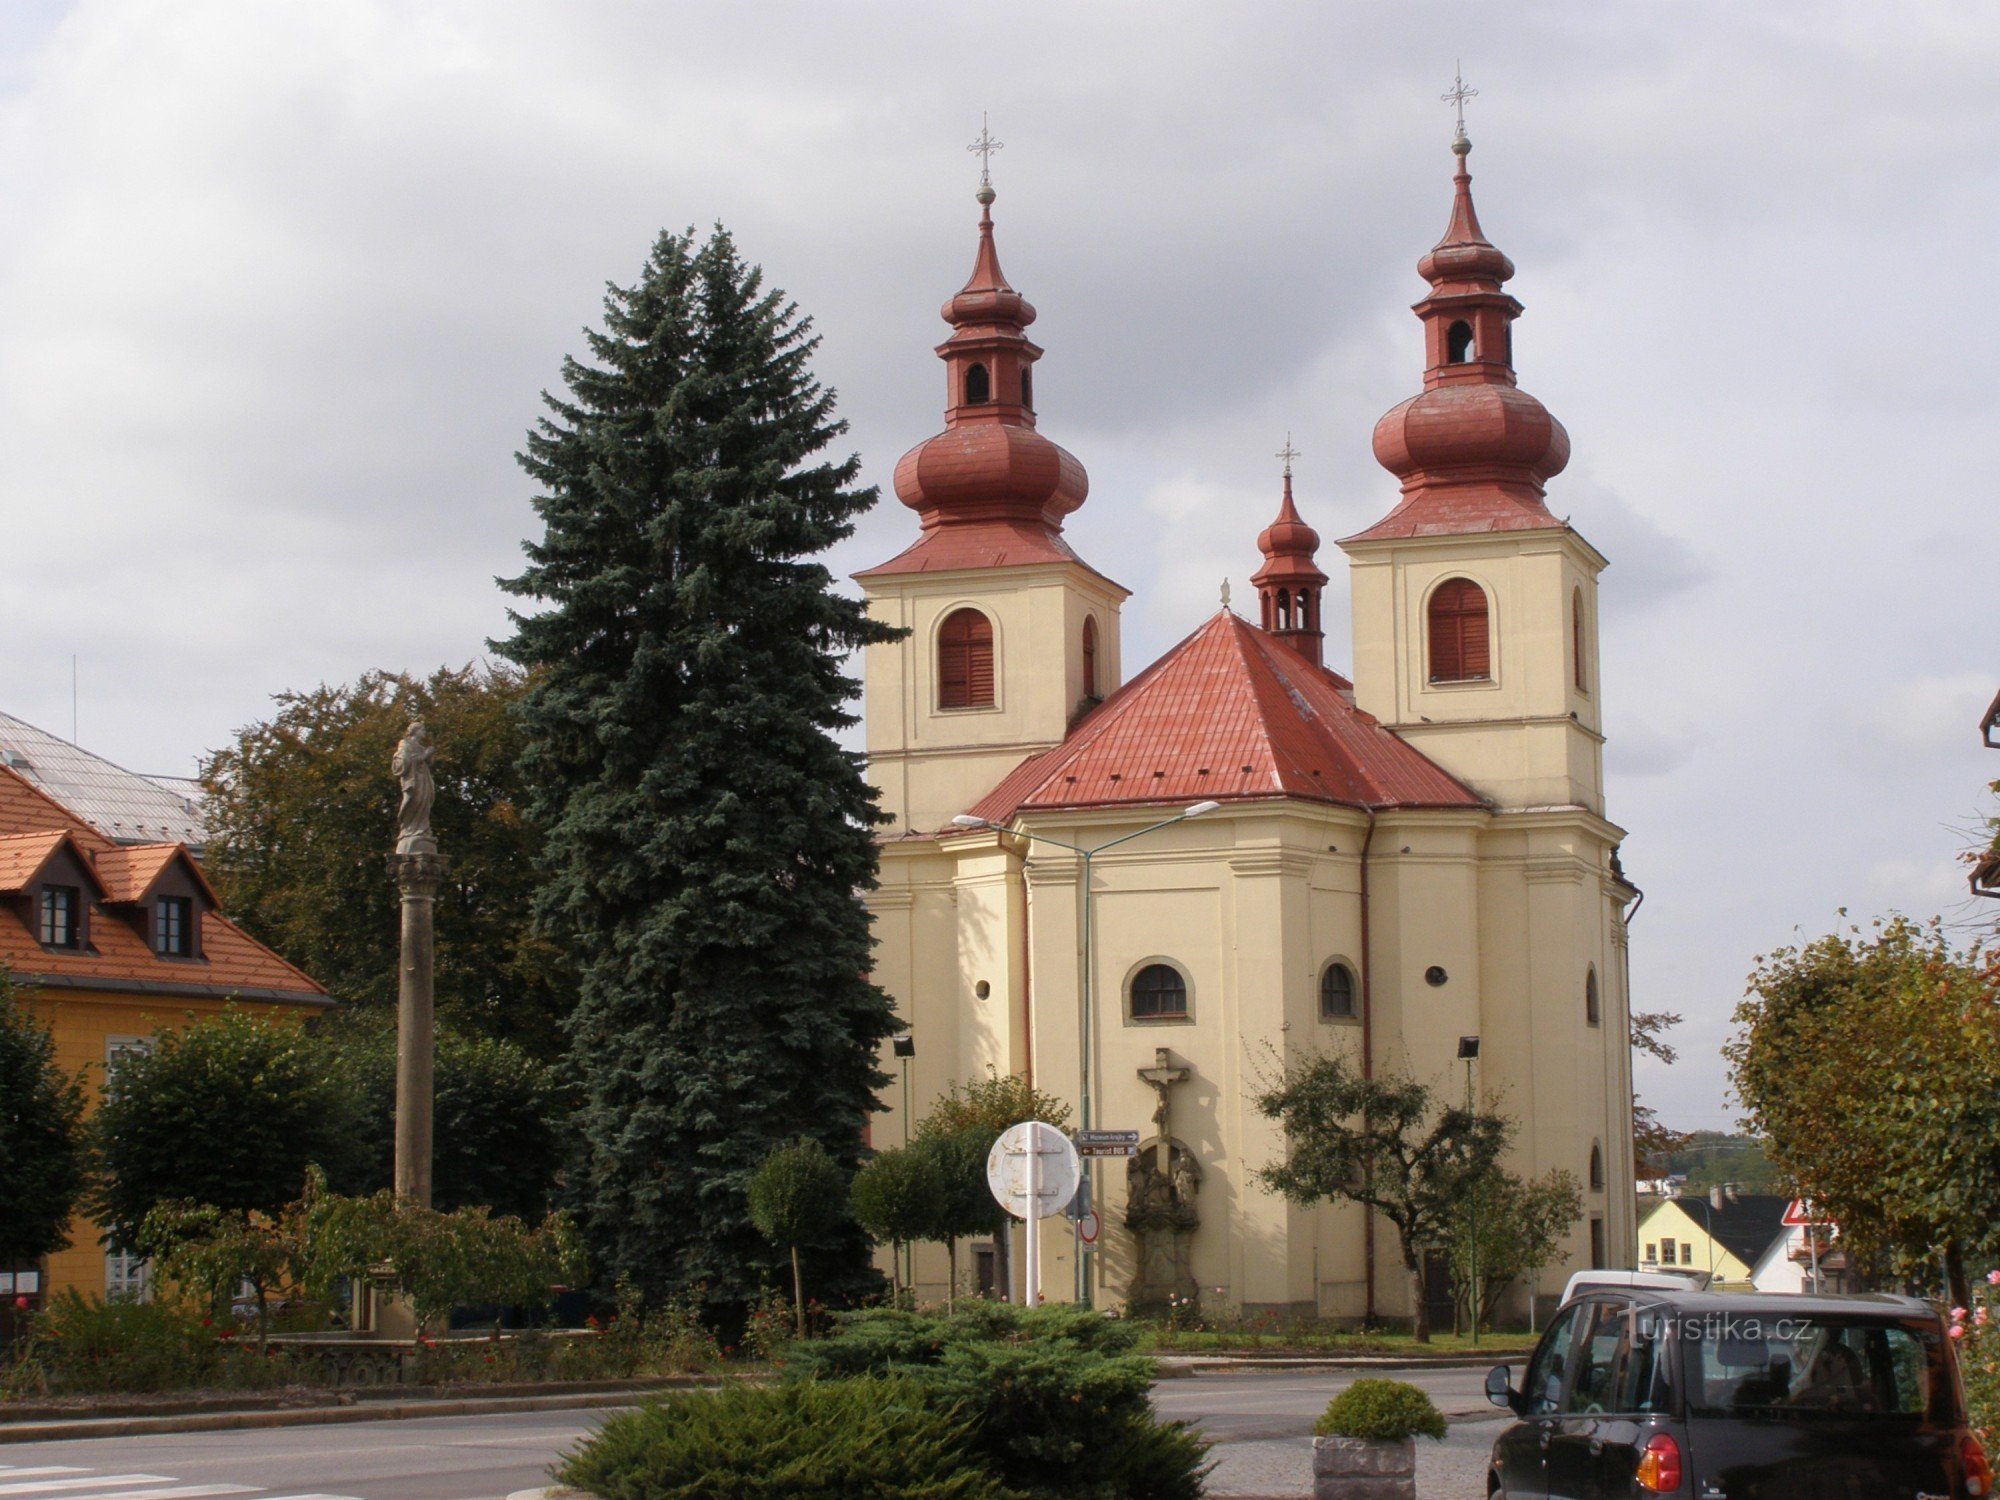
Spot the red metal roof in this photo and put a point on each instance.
(1228, 714)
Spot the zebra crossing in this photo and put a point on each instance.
(62, 1482)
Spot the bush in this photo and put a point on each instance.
(1059, 1404)
(1384, 1410)
(85, 1345)
(825, 1440)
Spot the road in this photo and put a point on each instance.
(1259, 1422)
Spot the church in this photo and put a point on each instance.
(1149, 891)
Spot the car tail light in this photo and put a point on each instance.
(1978, 1472)
(1659, 1470)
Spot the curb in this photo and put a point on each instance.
(1237, 1364)
(311, 1416)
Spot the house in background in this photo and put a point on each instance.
(125, 807)
(1729, 1238)
(108, 941)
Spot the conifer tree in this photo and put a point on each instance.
(708, 841)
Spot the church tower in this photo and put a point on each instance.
(1289, 584)
(1475, 608)
(1010, 634)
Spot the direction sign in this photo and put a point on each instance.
(1107, 1142)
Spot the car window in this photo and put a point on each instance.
(1541, 1391)
(1600, 1330)
(1639, 1383)
(1815, 1366)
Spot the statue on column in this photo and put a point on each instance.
(412, 767)
(1160, 1187)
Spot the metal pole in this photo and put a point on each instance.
(1082, 1251)
(1472, 1214)
(909, 1250)
(1032, 1292)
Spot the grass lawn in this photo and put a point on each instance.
(1331, 1342)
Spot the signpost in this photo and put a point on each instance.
(1033, 1171)
(1107, 1143)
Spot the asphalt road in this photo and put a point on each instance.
(1258, 1420)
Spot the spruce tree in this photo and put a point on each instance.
(708, 841)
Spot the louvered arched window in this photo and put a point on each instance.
(1089, 656)
(1336, 993)
(1576, 638)
(965, 660)
(1593, 1010)
(1460, 633)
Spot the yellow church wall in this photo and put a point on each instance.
(930, 762)
(84, 1025)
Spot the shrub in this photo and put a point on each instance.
(824, 1440)
(85, 1345)
(1057, 1401)
(1384, 1410)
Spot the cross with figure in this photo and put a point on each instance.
(985, 146)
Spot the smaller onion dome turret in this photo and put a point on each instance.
(1290, 583)
(990, 465)
(1472, 449)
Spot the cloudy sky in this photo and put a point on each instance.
(280, 284)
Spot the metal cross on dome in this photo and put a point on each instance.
(985, 146)
(1458, 93)
(1287, 453)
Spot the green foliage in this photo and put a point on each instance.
(439, 1260)
(708, 840)
(796, 1201)
(302, 808)
(1516, 1227)
(200, 1248)
(83, 1345)
(831, 1441)
(898, 1195)
(993, 1104)
(499, 1118)
(1386, 1142)
(1709, 1158)
(41, 1146)
(1381, 1410)
(1060, 1403)
(1871, 1066)
(230, 1112)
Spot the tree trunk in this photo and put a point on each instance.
(1420, 1307)
(1003, 1260)
(1954, 1274)
(895, 1273)
(951, 1260)
(264, 1319)
(798, 1293)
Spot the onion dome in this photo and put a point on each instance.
(1472, 449)
(990, 465)
(1290, 582)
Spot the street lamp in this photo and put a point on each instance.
(968, 821)
(905, 1047)
(1468, 1053)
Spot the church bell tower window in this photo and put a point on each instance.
(1090, 657)
(978, 385)
(1458, 343)
(1460, 635)
(965, 660)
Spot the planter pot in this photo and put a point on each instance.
(1364, 1469)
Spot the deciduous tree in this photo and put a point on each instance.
(41, 1146)
(1389, 1143)
(979, 1110)
(796, 1200)
(1870, 1064)
(1519, 1226)
(708, 840)
(301, 809)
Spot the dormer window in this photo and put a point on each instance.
(173, 926)
(61, 924)
(978, 385)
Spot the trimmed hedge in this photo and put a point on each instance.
(1384, 1410)
(829, 1440)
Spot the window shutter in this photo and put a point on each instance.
(1459, 632)
(965, 661)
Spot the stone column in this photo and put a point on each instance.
(417, 876)
(418, 869)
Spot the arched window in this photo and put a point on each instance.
(1090, 656)
(1592, 1011)
(965, 660)
(1576, 638)
(1159, 994)
(1028, 387)
(1596, 1169)
(1459, 633)
(1336, 993)
(1458, 343)
(978, 385)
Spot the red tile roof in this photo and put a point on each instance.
(232, 963)
(1228, 714)
(22, 856)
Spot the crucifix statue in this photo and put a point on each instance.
(1160, 1187)
(1163, 1075)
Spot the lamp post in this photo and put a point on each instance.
(1468, 1053)
(1089, 938)
(906, 1048)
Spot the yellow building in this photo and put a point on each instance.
(109, 942)
(1729, 1238)
(1389, 864)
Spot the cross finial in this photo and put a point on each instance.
(1457, 94)
(1287, 453)
(985, 146)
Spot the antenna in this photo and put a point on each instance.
(72, 698)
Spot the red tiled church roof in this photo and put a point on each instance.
(1228, 714)
(231, 963)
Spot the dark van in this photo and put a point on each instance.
(1724, 1396)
